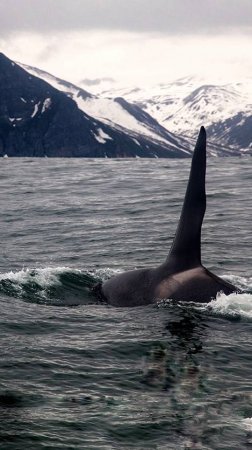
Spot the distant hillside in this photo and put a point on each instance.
(126, 111)
(36, 119)
(182, 106)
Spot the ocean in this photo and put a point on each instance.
(77, 374)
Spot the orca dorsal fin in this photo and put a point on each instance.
(185, 252)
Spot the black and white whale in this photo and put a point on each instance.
(181, 277)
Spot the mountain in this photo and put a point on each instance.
(182, 106)
(42, 115)
(128, 112)
(121, 116)
(36, 119)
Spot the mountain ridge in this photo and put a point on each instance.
(36, 119)
(133, 116)
(182, 106)
(43, 115)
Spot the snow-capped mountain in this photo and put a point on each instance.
(182, 106)
(118, 114)
(37, 119)
(129, 111)
(43, 115)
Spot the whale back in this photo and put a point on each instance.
(185, 251)
(181, 277)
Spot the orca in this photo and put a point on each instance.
(182, 277)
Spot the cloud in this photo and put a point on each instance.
(48, 51)
(132, 58)
(159, 16)
(96, 81)
(134, 41)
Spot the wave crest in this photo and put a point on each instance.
(59, 285)
(64, 286)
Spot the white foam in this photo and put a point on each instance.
(241, 282)
(247, 424)
(104, 274)
(235, 305)
(44, 277)
(49, 276)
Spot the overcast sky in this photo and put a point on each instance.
(131, 41)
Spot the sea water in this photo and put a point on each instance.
(76, 374)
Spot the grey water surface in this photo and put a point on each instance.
(77, 374)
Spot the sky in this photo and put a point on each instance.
(130, 42)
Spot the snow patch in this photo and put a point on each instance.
(47, 103)
(35, 111)
(15, 119)
(102, 137)
(112, 113)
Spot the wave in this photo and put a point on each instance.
(244, 283)
(62, 286)
(247, 424)
(233, 306)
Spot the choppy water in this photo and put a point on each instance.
(78, 375)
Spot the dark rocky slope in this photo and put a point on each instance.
(38, 120)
